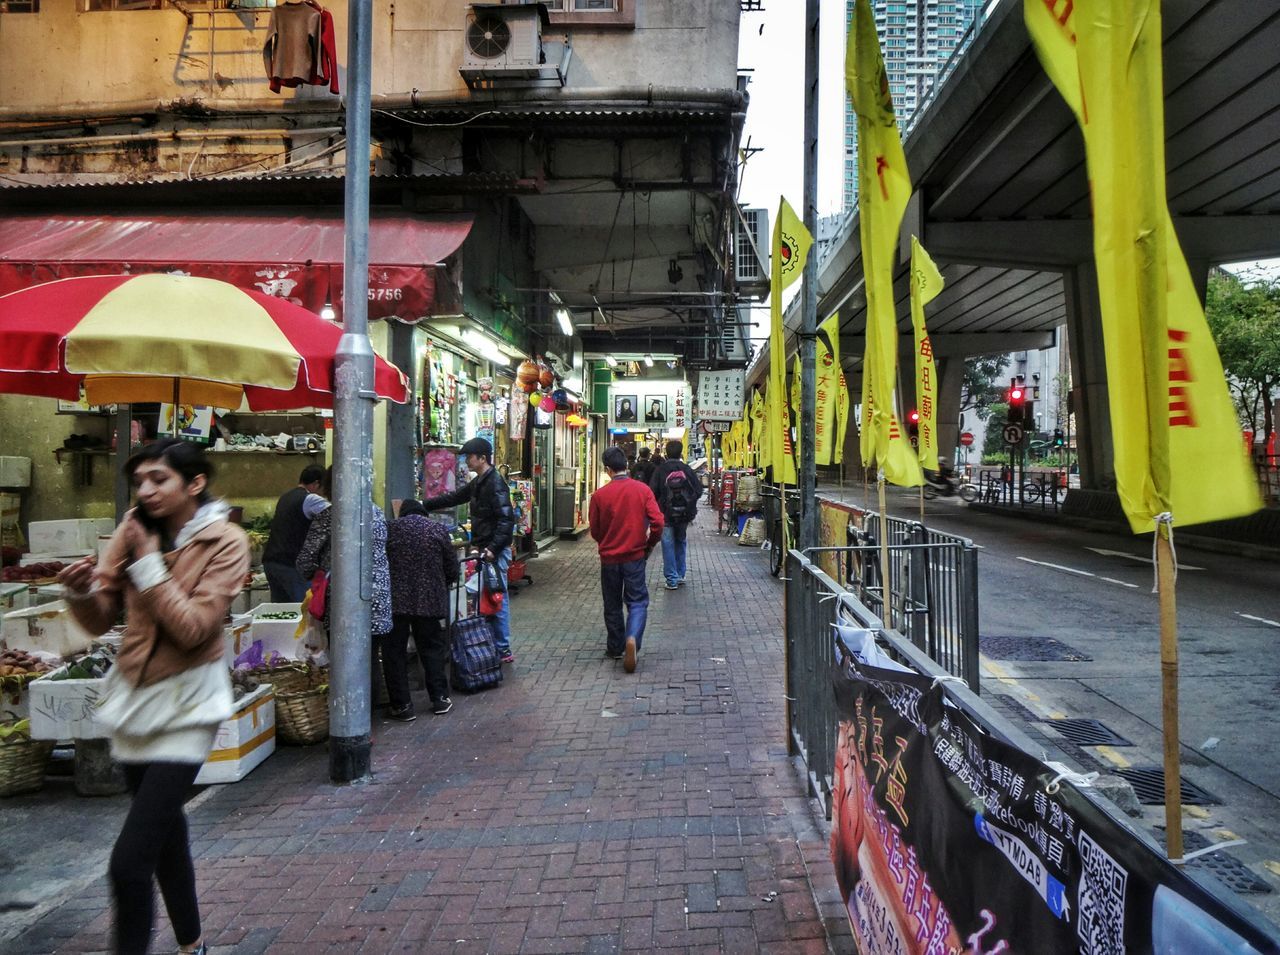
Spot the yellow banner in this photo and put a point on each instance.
(1176, 437)
(795, 406)
(791, 242)
(926, 283)
(759, 437)
(884, 186)
(827, 375)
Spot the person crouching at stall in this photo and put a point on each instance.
(173, 566)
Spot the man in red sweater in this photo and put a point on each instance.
(626, 523)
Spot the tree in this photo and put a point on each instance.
(1245, 321)
(993, 443)
(983, 385)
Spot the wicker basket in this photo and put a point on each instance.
(302, 707)
(22, 762)
(752, 533)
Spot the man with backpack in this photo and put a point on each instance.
(677, 489)
(642, 470)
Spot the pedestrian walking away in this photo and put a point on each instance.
(317, 555)
(172, 567)
(626, 524)
(289, 525)
(423, 568)
(492, 524)
(642, 470)
(677, 489)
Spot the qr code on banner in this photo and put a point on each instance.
(1100, 904)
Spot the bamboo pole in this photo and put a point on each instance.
(884, 554)
(1166, 575)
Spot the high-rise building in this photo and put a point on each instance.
(917, 37)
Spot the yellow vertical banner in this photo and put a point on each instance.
(926, 283)
(791, 242)
(884, 186)
(759, 431)
(1171, 413)
(827, 375)
(795, 406)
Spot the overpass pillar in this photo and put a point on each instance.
(1090, 404)
(950, 382)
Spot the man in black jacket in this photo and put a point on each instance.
(492, 524)
(288, 530)
(677, 489)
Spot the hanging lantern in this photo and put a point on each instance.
(548, 404)
(546, 377)
(535, 399)
(527, 376)
(561, 398)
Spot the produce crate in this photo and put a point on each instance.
(65, 709)
(79, 536)
(49, 627)
(244, 740)
(278, 635)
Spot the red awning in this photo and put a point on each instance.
(297, 257)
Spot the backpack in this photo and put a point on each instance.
(679, 498)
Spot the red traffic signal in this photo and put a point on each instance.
(914, 416)
(1016, 396)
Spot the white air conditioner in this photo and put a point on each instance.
(751, 247)
(504, 38)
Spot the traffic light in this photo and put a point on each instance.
(1017, 405)
(913, 426)
(1059, 439)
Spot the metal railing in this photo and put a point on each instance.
(815, 603)
(928, 593)
(1044, 490)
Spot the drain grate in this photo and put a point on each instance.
(1148, 785)
(1014, 707)
(1039, 649)
(1088, 732)
(1227, 869)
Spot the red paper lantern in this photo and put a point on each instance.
(548, 404)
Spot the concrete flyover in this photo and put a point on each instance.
(1002, 197)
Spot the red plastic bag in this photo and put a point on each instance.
(490, 601)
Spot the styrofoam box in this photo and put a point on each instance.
(26, 560)
(79, 536)
(243, 741)
(278, 635)
(14, 471)
(49, 627)
(236, 637)
(65, 709)
(14, 597)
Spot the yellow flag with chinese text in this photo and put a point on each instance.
(828, 441)
(884, 186)
(791, 242)
(759, 436)
(1175, 433)
(926, 283)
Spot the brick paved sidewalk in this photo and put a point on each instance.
(575, 809)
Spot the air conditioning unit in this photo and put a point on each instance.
(504, 38)
(751, 249)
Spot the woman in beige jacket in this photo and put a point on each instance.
(173, 567)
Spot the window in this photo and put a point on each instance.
(592, 13)
(92, 6)
(19, 6)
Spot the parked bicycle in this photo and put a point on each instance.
(773, 518)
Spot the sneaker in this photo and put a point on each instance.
(403, 715)
(441, 707)
(680, 582)
(508, 657)
(671, 585)
(613, 655)
(629, 656)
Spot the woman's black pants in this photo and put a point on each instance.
(153, 845)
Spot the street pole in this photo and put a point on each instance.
(809, 304)
(352, 566)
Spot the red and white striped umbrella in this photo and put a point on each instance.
(179, 338)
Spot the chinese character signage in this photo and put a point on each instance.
(721, 394)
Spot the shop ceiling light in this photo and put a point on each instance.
(566, 325)
(613, 362)
(648, 361)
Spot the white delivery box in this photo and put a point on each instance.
(279, 634)
(49, 627)
(243, 741)
(16, 596)
(79, 536)
(235, 637)
(14, 471)
(65, 709)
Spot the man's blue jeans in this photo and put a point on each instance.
(624, 584)
(674, 550)
(502, 619)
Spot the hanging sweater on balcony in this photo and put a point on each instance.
(300, 47)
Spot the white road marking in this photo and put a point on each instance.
(1142, 560)
(1079, 573)
(1249, 616)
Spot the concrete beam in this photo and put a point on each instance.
(960, 344)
